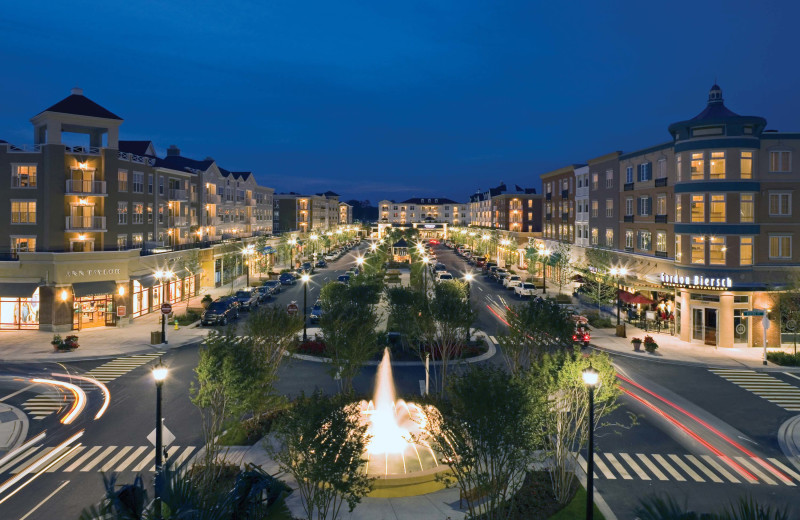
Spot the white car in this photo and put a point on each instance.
(525, 289)
(444, 275)
(513, 283)
(330, 257)
(513, 278)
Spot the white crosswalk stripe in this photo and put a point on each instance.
(690, 468)
(107, 459)
(52, 401)
(765, 386)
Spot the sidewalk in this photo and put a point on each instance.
(33, 346)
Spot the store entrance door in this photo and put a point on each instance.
(704, 325)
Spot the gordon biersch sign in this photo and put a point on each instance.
(92, 272)
(696, 282)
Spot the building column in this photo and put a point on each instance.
(686, 316)
(122, 298)
(725, 320)
(56, 308)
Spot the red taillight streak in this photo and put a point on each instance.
(498, 316)
(721, 435)
(696, 437)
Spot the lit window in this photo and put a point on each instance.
(678, 208)
(780, 246)
(716, 251)
(595, 205)
(661, 204)
(645, 204)
(137, 239)
(661, 241)
(780, 162)
(122, 242)
(698, 208)
(746, 211)
(746, 251)
(23, 212)
(609, 237)
(595, 236)
(23, 176)
(22, 245)
(746, 165)
(629, 238)
(716, 209)
(138, 213)
(122, 212)
(122, 180)
(698, 166)
(595, 181)
(609, 208)
(645, 240)
(678, 247)
(780, 204)
(716, 168)
(698, 250)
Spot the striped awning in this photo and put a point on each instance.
(18, 289)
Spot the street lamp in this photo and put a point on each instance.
(247, 253)
(161, 276)
(360, 261)
(544, 253)
(305, 278)
(314, 238)
(590, 378)
(618, 273)
(159, 374)
(425, 261)
(292, 243)
(468, 278)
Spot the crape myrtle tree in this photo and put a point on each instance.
(599, 285)
(561, 264)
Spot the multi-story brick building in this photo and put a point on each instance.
(305, 213)
(345, 214)
(604, 200)
(559, 203)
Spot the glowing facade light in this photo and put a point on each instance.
(121, 290)
(64, 295)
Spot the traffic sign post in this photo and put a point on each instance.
(292, 309)
(765, 326)
(755, 312)
(166, 308)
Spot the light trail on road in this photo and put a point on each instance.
(104, 388)
(77, 404)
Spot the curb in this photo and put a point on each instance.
(145, 349)
(20, 434)
(789, 440)
(477, 359)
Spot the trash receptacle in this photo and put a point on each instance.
(621, 330)
(155, 337)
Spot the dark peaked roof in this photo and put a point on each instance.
(177, 162)
(429, 200)
(80, 105)
(137, 147)
(400, 243)
(329, 193)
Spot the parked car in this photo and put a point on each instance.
(498, 272)
(220, 312)
(480, 261)
(263, 293)
(525, 289)
(287, 279)
(316, 312)
(513, 283)
(488, 265)
(307, 268)
(321, 264)
(443, 276)
(490, 272)
(439, 267)
(247, 298)
(273, 285)
(509, 279)
(344, 278)
(500, 276)
(330, 257)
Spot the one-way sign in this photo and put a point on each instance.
(167, 437)
(754, 312)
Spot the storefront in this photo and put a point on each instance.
(19, 306)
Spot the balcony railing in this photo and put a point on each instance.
(193, 221)
(628, 218)
(661, 219)
(180, 195)
(23, 148)
(85, 187)
(213, 199)
(84, 150)
(138, 159)
(661, 254)
(628, 186)
(178, 221)
(661, 182)
(85, 223)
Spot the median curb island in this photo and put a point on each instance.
(789, 440)
(13, 433)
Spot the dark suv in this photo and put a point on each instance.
(248, 299)
(220, 312)
(273, 285)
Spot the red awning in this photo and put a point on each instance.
(633, 299)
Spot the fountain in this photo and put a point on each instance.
(404, 464)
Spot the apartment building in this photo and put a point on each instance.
(345, 214)
(559, 204)
(582, 207)
(305, 213)
(520, 212)
(604, 200)
(89, 225)
(420, 209)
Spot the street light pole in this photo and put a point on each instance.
(305, 279)
(590, 378)
(468, 277)
(159, 374)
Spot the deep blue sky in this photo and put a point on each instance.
(381, 99)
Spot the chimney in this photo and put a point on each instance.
(76, 91)
(173, 151)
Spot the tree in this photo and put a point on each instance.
(536, 327)
(561, 264)
(789, 306)
(566, 416)
(489, 431)
(320, 441)
(598, 285)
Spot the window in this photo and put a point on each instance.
(122, 212)
(609, 208)
(161, 214)
(698, 166)
(661, 172)
(150, 184)
(23, 212)
(23, 176)
(629, 206)
(609, 179)
(149, 213)
(137, 239)
(678, 207)
(716, 169)
(609, 237)
(780, 246)
(746, 211)
(138, 213)
(595, 236)
(716, 209)
(716, 251)
(645, 206)
(629, 174)
(678, 168)
(780, 162)
(645, 172)
(629, 238)
(161, 185)
(122, 180)
(122, 242)
(594, 208)
(698, 208)
(22, 245)
(698, 250)
(138, 182)
(661, 204)
(780, 204)
(595, 181)
(645, 240)
(678, 248)
(746, 165)
(661, 241)
(745, 250)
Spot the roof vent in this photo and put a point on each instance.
(173, 151)
(77, 91)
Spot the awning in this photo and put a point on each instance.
(269, 250)
(145, 280)
(633, 299)
(81, 289)
(18, 289)
(180, 273)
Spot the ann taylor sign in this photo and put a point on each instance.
(83, 273)
(696, 282)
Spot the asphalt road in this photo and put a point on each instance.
(698, 435)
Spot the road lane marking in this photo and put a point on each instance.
(756, 471)
(652, 467)
(130, 460)
(111, 463)
(710, 474)
(494, 340)
(65, 459)
(792, 375)
(772, 389)
(180, 459)
(720, 468)
(22, 456)
(17, 392)
(603, 468)
(786, 469)
(617, 466)
(82, 459)
(636, 468)
(48, 497)
(689, 471)
(96, 460)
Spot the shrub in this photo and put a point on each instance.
(312, 348)
(597, 321)
(784, 359)
(188, 318)
(563, 298)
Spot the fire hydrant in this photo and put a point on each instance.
(176, 323)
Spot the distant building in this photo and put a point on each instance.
(305, 213)
(345, 214)
(422, 209)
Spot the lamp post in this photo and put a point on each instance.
(247, 252)
(425, 261)
(161, 276)
(292, 243)
(468, 278)
(590, 378)
(618, 273)
(305, 278)
(159, 374)
(314, 238)
(544, 253)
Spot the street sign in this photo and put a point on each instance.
(121, 311)
(167, 437)
(754, 312)
(292, 309)
(166, 308)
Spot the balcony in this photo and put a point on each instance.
(564, 194)
(85, 187)
(85, 223)
(23, 148)
(179, 195)
(628, 249)
(548, 216)
(661, 254)
(660, 183)
(628, 218)
(213, 199)
(249, 201)
(178, 221)
(548, 196)
(193, 221)
(628, 186)
(661, 219)
(83, 150)
(565, 215)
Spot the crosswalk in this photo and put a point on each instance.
(764, 385)
(52, 401)
(693, 468)
(84, 459)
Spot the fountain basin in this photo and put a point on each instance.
(409, 484)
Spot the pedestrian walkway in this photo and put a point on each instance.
(53, 401)
(84, 459)
(763, 385)
(694, 468)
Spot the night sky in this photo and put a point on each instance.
(379, 99)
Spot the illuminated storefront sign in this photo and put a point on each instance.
(92, 272)
(696, 282)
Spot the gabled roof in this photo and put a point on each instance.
(429, 200)
(241, 175)
(329, 194)
(78, 104)
(400, 243)
(136, 147)
(177, 162)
